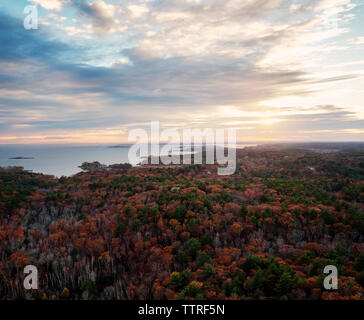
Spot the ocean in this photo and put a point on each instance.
(62, 160)
(59, 160)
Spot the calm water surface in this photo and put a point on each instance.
(59, 160)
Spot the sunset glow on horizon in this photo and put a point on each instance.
(94, 70)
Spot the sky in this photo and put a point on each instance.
(275, 70)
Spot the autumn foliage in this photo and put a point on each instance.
(184, 232)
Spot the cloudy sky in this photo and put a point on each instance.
(273, 69)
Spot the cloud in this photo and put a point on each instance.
(181, 62)
(49, 4)
(102, 15)
(358, 41)
(138, 11)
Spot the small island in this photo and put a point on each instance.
(92, 166)
(21, 158)
(95, 166)
(120, 146)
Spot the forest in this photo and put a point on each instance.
(184, 232)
